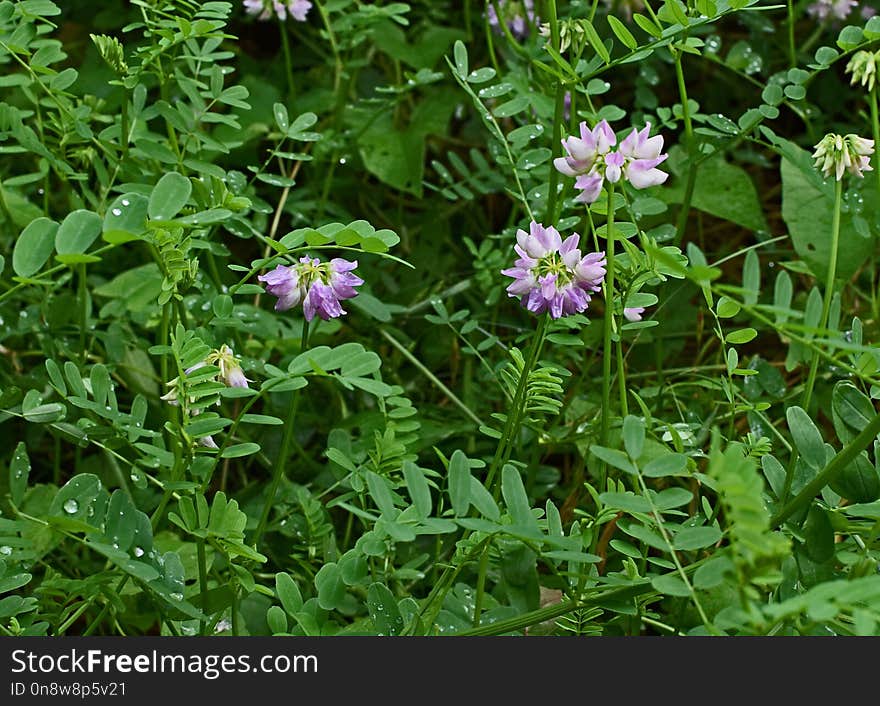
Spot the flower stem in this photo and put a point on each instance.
(826, 307)
(621, 377)
(875, 125)
(692, 164)
(83, 297)
(557, 115)
(203, 578)
(829, 289)
(288, 62)
(283, 452)
(607, 352)
(792, 55)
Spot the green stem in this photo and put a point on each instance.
(681, 225)
(621, 376)
(203, 579)
(234, 611)
(608, 326)
(82, 295)
(661, 526)
(283, 453)
(334, 47)
(792, 55)
(875, 125)
(557, 116)
(481, 586)
(288, 62)
(829, 289)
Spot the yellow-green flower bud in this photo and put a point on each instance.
(863, 67)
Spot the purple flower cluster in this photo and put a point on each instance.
(297, 9)
(592, 159)
(551, 275)
(838, 9)
(518, 16)
(318, 286)
(633, 313)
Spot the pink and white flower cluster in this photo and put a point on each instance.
(551, 275)
(838, 10)
(592, 160)
(297, 9)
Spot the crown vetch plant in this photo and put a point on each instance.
(259, 375)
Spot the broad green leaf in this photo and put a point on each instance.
(859, 482)
(689, 538)
(671, 464)
(77, 232)
(459, 51)
(19, 470)
(380, 492)
(383, 610)
(417, 485)
(121, 520)
(331, 588)
(818, 535)
(622, 33)
(459, 483)
(169, 195)
(633, 436)
(288, 593)
(670, 585)
(628, 502)
(515, 497)
(807, 437)
(82, 498)
(34, 247)
(239, 450)
(851, 410)
(126, 218)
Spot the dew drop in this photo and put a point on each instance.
(117, 211)
(71, 506)
(138, 552)
(177, 596)
(125, 202)
(6, 550)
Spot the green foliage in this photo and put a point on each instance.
(695, 452)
